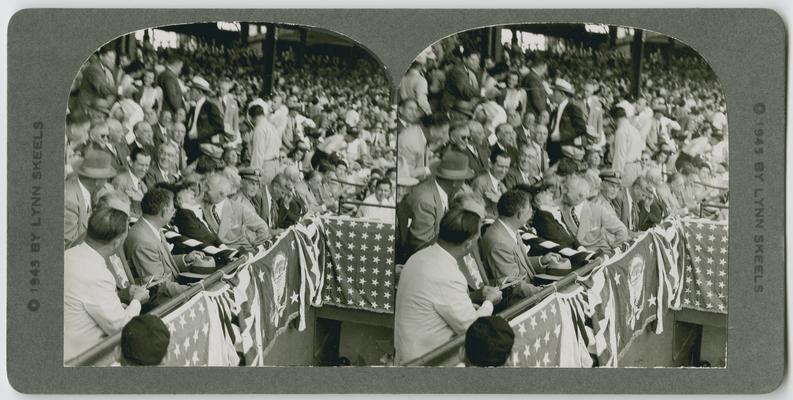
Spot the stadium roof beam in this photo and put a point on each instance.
(637, 51)
(268, 61)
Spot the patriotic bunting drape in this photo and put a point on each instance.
(349, 263)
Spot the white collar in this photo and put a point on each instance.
(512, 232)
(444, 196)
(493, 179)
(84, 190)
(153, 229)
(135, 179)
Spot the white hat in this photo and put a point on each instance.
(200, 83)
(426, 54)
(563, 85)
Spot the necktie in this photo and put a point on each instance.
(575, 217)
(553, 121)
(273, 215)
(215, 214)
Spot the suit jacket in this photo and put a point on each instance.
(515, 177)
(418, 219)
(506, 256)
(287, 215)
(235, 221)
(523, 136)
(497, 149)
(171, 90)
(483, 184)
(460, 86)
(598, 228)
(549, 228)
(155, 176)
(123, 183)
(121, 156)
(209, 124)
(158, 135)
(535, 91)
(572, 125)
(96, 83)
(148, 255)
(646, 219)
(189, 225)
(75, 213)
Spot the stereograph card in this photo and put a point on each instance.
(396, 201)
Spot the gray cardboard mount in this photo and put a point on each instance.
(746, 47)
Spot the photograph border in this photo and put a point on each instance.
(751, 66)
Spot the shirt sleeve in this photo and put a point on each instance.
(108, 312)
(458, 311)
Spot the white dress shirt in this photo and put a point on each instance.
(378, 213)
(91, 307)
(86, 196)
(444, 197)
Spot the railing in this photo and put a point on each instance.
(91, 356)
(443, 351)
(342, 201)
(702, 207)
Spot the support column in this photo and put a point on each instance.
(245, 32)
(637, 53)
(612, 36)
(301, 48)
(268, 59)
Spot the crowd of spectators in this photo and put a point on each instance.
(549, 144)
(189, 140)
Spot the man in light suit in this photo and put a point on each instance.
(229, 219)
(91, 308)
(166, 170)
(432, 300)
(503, 252)
(92, 173)
(131, 181)
(419, 213)
(411, 141)
(149, 254)
(595, 227)
(490, 185)
(527, 170)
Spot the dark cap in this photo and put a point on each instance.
(609, 175)
(144, 340)
(488, 342)
(250, 173)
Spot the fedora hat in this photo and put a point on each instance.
(564, 86)
(96, 164)
(406, 181)
(200, 83)
(555, 270)
(610, 175)
(453, 166)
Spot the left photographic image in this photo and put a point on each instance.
(229, 199)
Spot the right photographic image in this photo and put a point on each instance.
(563, 201)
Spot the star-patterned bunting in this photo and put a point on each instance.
(359, 267)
